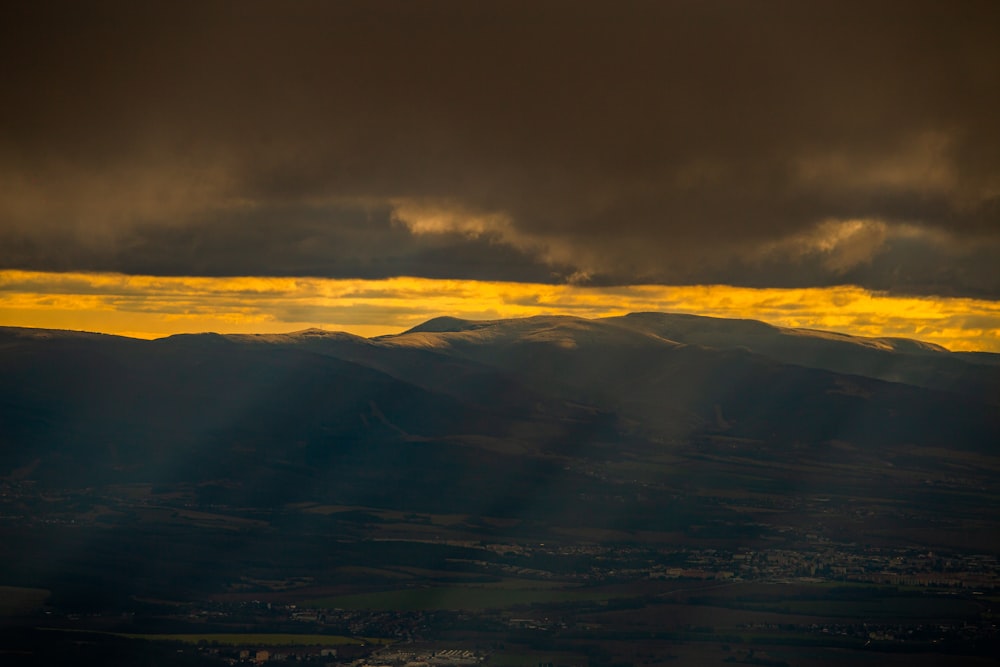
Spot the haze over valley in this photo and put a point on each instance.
(498, 470)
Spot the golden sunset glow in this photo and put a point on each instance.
(151, 307)
(151, 185)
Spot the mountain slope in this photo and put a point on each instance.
(295, 454)
(208, 406)
(891, 359)
(636, 367)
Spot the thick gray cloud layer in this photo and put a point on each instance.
(763, 143)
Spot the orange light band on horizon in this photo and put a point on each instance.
(156, 306)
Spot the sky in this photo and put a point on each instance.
(267, 166)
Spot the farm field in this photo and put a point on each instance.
(472, 598)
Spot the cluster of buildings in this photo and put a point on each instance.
(438, 658)
(817, 560)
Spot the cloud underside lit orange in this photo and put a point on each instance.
(156, 306)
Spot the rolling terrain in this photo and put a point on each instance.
(601, 471)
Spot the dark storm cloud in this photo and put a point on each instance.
(751, 143)
(285, 241)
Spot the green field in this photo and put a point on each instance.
(236, 639)
(882, 608)
(460, 597)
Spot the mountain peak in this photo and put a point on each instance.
(446, 324)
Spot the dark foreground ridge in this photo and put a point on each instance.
(547, 490)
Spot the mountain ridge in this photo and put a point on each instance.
(450, 324)
(892, 359)
(649, 375)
